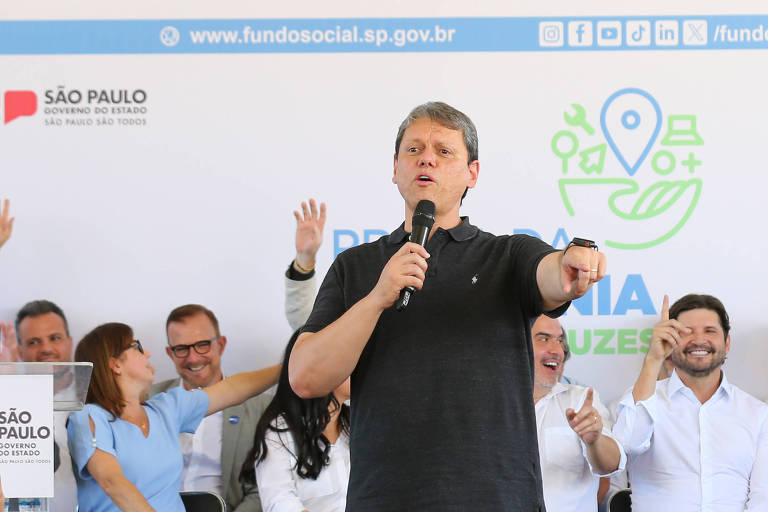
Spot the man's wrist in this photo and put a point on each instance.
(581, 242)
(303, 265)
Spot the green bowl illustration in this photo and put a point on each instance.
(645, 210)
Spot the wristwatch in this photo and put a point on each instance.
(582, 242)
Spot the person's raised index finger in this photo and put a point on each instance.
(588, 400)
(665, 308)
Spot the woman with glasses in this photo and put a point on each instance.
(125, 450)
(300, 454)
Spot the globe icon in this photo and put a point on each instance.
(169, 36)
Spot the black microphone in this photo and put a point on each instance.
(423, 220)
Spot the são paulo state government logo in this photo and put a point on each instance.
(630, 166)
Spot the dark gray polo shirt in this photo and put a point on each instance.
(442, 397)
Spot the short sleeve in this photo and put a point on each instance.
(83, 443)
(330, 304)
(528, 251)
(186, 409)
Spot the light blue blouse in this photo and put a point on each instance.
(154, 464)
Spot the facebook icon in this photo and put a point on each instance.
(579, 33)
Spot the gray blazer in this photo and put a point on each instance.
(236, 442)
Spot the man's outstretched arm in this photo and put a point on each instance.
(567, 275)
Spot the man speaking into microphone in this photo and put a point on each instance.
(442, 414)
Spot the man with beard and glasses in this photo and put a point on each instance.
(695, 441)
(572, 425)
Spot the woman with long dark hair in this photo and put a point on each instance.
(300, 454)
(125, 450)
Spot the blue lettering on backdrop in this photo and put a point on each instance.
(633, 296)
(560, 240)
(340, 236)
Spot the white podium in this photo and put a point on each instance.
(70, 387)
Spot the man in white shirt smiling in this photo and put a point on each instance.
(575, 448)
(696, 442)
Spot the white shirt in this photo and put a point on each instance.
(282, 489)
(202, 456)
(687, 456)
(570, 483)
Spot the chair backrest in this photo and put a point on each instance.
(621, 501)
(202, 501)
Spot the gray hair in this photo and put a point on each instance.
(447, 116)
(37, 308)
(564, 344)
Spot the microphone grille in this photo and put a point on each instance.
(424, 215)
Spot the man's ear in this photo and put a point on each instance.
(727, 343)
(394, 170)
(474, 172)
(222, 343)
(169, 352)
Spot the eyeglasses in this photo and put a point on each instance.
(137, 345)
(201, 347)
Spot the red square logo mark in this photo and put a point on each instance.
(19, 103)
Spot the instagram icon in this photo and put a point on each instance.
(551, 33)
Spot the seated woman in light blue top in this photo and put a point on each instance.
(125, 451)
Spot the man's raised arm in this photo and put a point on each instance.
(569, 274)
(320, 361)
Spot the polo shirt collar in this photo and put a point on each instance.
(464, 231)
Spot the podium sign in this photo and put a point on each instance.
(26, 435)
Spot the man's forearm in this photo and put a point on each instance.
(548, 279)
(321, 361)
(604, 455)
(645, 386)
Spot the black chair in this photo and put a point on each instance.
(621, 501)
(199, 501)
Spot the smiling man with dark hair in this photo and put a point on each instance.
(696, 442)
